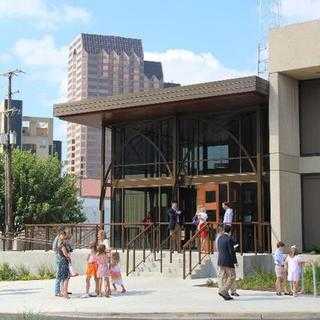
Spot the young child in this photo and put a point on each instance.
(115, 272)
(103, 271)
(91, 269)
(294, 266)
(279, 261)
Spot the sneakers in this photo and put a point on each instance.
(235, 294)
(225, 296)
(85, 296)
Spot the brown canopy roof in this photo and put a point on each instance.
(203, 97)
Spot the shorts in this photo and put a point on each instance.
(91, 270)
(280, 272)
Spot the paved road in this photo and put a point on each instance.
(153, 298)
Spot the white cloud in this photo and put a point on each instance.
(47, 61)
(188, 67)
(300, 10)
(42, 13)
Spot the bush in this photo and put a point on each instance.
(7, 273)
(22, 273)
(258, 281)
(45, 272)
(308, 278)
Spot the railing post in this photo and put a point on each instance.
(241, 239)
(314, 278)
(184, 263)
(144, 248)
(160, 259)
(47, 238)
(190, 260)
(134, 258)
(32, 237)
(122, 237)
(255, 238)
(269, 239)
(128, 261)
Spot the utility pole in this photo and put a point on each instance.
(8, 140)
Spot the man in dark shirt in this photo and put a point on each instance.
(176, 220)
(227, 261)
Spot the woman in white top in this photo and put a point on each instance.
(102, 239)
(204, 234)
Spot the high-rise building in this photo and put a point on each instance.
(100, 66)
(57, 149)
(15, 118)
(37, 135)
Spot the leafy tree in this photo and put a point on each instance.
(41, 194)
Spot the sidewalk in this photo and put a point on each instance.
(153, 298)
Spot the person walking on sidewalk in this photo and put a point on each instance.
(227, 261)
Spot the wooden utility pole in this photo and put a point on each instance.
(9, 136)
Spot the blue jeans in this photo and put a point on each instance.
(57, 283)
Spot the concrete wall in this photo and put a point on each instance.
(294, 49)
(293, 56)
(285, 194)
(36, 259)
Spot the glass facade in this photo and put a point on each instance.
(214, 144)
(160, 160)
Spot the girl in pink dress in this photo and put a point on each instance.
(103, 271)
(294, 268)
(115, 272)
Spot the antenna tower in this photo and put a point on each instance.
(269, 17)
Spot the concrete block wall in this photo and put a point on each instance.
(36, 259)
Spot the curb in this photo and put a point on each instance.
(165, 316)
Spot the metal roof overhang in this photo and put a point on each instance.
(205, 97)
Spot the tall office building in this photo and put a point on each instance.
(100, 66)
(15, 118)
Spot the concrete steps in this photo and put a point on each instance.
(151, 267)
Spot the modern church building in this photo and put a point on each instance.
(251, 142)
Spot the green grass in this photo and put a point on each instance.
(22, 273)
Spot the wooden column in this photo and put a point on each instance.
(175, 158)
(103, 170)
(260, 204)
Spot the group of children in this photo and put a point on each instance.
(103, 267)
(288, 267)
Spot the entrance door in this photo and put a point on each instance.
(208, 195)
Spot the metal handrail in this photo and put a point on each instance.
(132, 243)
(189, 245)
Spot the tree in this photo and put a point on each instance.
(41, 193)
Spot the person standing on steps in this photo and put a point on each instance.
(228, 214)
(227, 261)
(176, 220)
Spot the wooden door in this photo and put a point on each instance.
(208, 196)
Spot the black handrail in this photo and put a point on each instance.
(190, 244)
(140, 237)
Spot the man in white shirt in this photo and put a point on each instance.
(228, 214)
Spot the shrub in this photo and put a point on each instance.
(7, 273)
(22, 273)
(258, 281)
(45, 272)
(308, 278)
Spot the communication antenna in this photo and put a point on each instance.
(269, 17)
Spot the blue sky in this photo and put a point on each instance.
(196, 40)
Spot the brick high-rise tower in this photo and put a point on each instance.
(100, 66)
